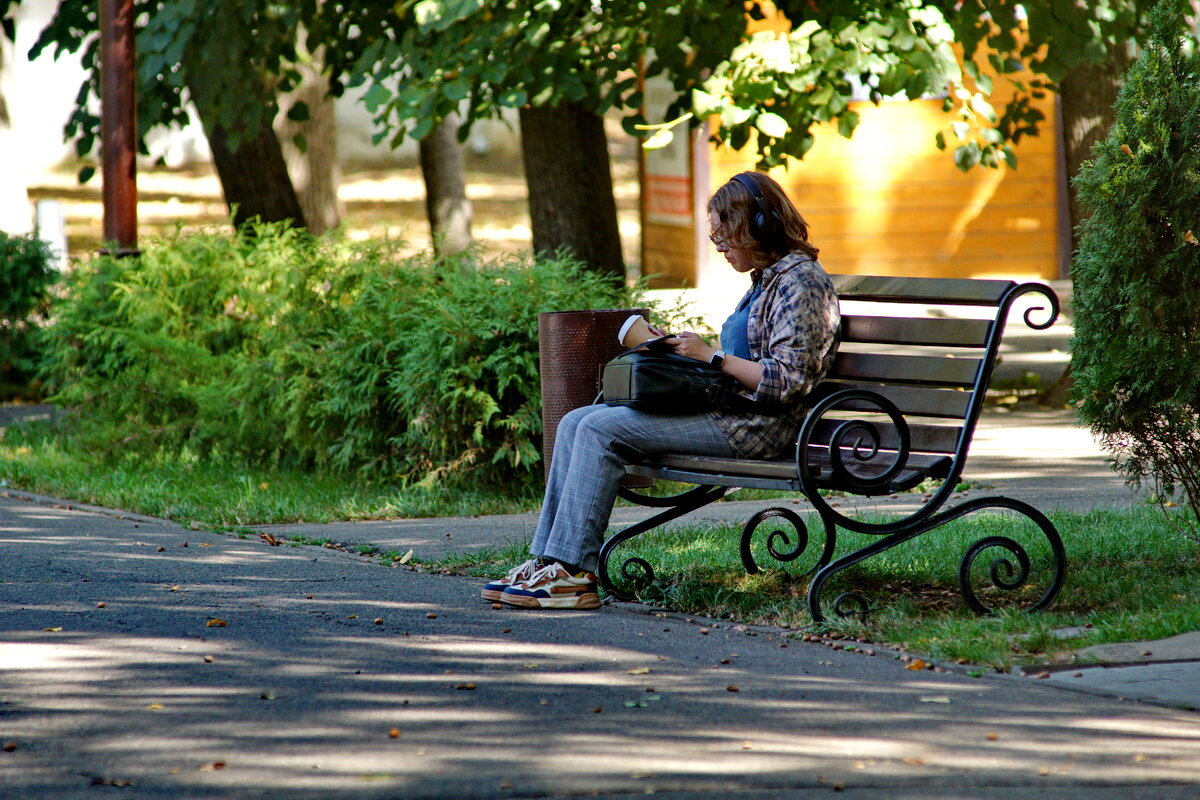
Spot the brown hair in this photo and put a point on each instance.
(736, 208)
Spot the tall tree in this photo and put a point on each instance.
(14, 194)
(232, 58)
(307, 130)
(446, 203)
(769, 89)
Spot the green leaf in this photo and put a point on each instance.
(377, 96)
(659, 139)
(299, 112)
(966, 156)
(456, 90)
(847, 123)
(86, 173)
(771, 125)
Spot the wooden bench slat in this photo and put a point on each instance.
(957, 291)
(916, 330)
(934, 370)
(918, 401)
(922, 438)
(784, 468)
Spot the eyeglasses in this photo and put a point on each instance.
(719, 241)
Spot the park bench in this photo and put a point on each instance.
(898, 410)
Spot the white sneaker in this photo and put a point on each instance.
(553, 587)
(519, 573)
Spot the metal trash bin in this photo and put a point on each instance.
(573, 347)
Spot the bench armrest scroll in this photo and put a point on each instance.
(853, 441)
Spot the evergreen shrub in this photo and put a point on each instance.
(273, 347)
(1136, 353)
(26, 275)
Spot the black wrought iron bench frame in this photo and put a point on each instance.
(884, 421)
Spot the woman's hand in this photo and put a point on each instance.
(691, 345)
(747, 372)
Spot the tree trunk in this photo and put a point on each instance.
(247, 157)
(446, 202)
(254, 177)
(16, 216)
(567, 173)
(314, 168)
(1087, 94)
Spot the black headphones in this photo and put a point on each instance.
(765, 225)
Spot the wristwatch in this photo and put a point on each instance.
(717, 359)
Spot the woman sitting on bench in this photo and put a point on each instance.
(778, 343)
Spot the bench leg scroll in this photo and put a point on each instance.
(777, 539)
(637, 573)
(1013, 574)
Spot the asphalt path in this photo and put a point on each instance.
(139, 659)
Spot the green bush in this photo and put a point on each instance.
(26, 275)
(1136, 354)
(273, 347)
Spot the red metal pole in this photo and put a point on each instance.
(118, 125)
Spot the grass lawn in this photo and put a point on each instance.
(1131, 574)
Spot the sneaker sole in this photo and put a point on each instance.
(492, 595)
(584, 602)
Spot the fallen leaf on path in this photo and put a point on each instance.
(274, 541)
(216, 623)
(916, 665)
(394, 733)
(639, 671)
(732, 688)
(155, 706)
(407, 557)
(470, 687)
(941, 698)
(53, 630)
(119, 782)
(216, 765)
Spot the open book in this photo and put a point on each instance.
(637, 331)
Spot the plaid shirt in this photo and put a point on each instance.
(793, 332)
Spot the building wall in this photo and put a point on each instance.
(888, 202)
